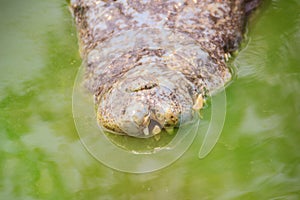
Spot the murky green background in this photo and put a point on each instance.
(41, 157)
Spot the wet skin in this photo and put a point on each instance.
(150, 64)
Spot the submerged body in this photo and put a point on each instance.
(149, 64)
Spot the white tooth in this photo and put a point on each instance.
(146, 131)
(199, 103)
(146, 120)
(156, 130)
(226, 57)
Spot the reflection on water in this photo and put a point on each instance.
(262, 124)
(41, 157)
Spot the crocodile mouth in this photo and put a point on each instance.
(146, 101)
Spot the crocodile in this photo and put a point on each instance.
(150, 64)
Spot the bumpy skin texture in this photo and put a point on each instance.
(149, 63)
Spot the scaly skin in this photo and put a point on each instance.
(150, 63)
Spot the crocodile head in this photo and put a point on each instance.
(147, 100)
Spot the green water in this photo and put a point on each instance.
(41, 157)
